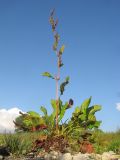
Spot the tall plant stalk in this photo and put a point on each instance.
(57, 96)
(58, 52)
(54, 23)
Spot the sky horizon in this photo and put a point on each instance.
(91, 34)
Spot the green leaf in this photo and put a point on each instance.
(53, 103)
(52, 120)
(91, 117)
(91, 126)
(77, 110)
(44, 110)
(27, 123)
(33, 114)
(62, 111)
(62, 50)
(62, 86)
(67, 79)
(93, 109)
(97, 124)
(54, 106)
(47, 74)
(82, 117)
(85, 105)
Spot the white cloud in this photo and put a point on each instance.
(118, 106)
(6, 119)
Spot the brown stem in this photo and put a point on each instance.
(57, 96)
(56, 105)
(57, 85)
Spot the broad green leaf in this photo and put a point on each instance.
(85, 105)
(91, 117)
(62, 111)
(93, 109)
(77, 110)
(47, 74)
(27, 123)
(52, 119)
(53, 103)
(54, 106)
(97, 124)
(33, 114)
(91, 126)
(82, 117)
(40, 121)
(44, 110)
(61, 50)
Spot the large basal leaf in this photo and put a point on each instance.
(52, 120)
(85, 105)
(97, 124)
(44, 110)
(19, 121)
(77, 110)
(91, 126)
(47, 74)
(62, 111)
(82, 117)
(27, 123)
(40, 121)
(33, 114)
(93, 109)
(54, 106)
(75, 114)
(91, 117)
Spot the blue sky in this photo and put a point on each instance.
(90, 30)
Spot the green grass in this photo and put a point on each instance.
(19, 143)
(22, 143)
(106, 141)
(1, 139)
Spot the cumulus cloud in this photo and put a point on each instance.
(118, 106)
(6, 119)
